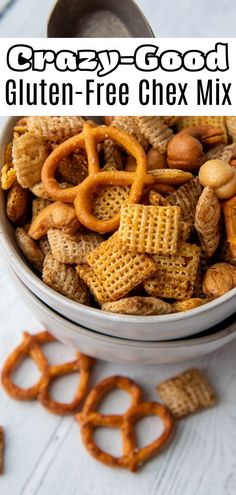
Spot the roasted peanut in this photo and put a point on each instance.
(219, 279)
(220, 176)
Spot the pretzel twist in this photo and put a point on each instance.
(82, 194)
(31, 347)
(89, 419)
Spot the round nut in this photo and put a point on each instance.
(215, 173)
(219, 279)
(185, 153)
(155, 159)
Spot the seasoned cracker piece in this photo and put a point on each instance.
(1, 450)
(155, 130)
(196, 120)
(175, 276)
(186, 197)
(65, 280)
(29, 248)
(231, 127)
(94, 284)
(188, 304)
(207, 221)
(56, 129)
(222, 152)
(171, 176)
(119, 270)
(150, 229)
(138, 305)
(29, 153)
(108, 201)
(187, 393)
(72, 248)
(38, 205)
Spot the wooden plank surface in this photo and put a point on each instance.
(44, 454)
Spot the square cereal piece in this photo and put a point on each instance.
(72, 248)
(1, 450)
(119, 270)
(175, 276)
(186, 197)
(187, 393)
(94, 284)
(150, 229)
(108, 201)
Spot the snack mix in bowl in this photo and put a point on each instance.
(135, 216)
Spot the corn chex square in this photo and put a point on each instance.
(94, 284)
(187, 393)
(175, 276)
(119, 270)
(150, 229)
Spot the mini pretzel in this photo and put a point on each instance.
(89, 419)
(82, 194)
(31, 347)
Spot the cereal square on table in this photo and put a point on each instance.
(149, 228)
(118, 269)
(175, 276)
(187, 393)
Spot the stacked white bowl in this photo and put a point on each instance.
(146, 339)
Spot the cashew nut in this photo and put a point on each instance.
(57, 215)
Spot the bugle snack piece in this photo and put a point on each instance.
(186, 197)
(119, 270)
(29, 153)
(187, 393)
(139, 305)
(175, 276)
(64, 279)
(207, 221)
(29, 248)
(150, 229)
(31, 347)
(72, 248)
(132, 457)
(55, 129)
(156, 131)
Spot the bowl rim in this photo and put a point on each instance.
(12, 252)
(94, 335)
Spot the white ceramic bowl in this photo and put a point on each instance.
(120, 350)
(148, 328)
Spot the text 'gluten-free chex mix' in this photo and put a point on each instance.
(133, 216)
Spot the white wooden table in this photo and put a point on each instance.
(43, 452)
